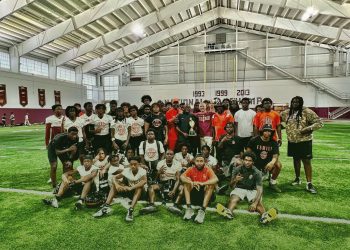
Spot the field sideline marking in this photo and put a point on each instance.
(124, 203)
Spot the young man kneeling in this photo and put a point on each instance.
(83, 185)
(199, 183)
(129, 182)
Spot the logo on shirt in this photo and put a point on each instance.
(156, 123)
(136, 128)
(121, 129)
(151, 152)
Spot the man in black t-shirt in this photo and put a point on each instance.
(184, 127)
(231, 147)
(157, 121)
(63, 146)
(267, 153)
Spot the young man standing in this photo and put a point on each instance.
(88, 126)
(205, 128)
(244, 122)
(103, 130)
(83, 185)
(184, 157)
(146, 100)
(267, 153)
(247, 183)
(210, 160)
(53, 124)
(231, 147)
(63, 146)
(12, 119)
(300, 124)
(199, 183)
(113, 109)
(130, 182)
(187, 130)
(26, 120)
(270, 117)
(168, 174)
(135, 132)
(121, 127)
(151, 151)
(157, 121)
(171, 117)
(3, 120)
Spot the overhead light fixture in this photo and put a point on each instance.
(310, 12)
(138, 30)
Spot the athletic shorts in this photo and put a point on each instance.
(197, 196)
(245, 141)
(244, 193)
(300, 150)
(136, 141)
(102, 141)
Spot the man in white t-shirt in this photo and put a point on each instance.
(168, 176)
(121, 130)
(151, 151)
(184, 157)
(210, 161)
(135, 129)
(103, 130)
(133, 179)
(83, 185)
(244, 122)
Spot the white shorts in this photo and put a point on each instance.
(207, 140)
(243, 193)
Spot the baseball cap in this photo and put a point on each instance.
(267, 127)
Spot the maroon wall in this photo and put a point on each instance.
(323, 112)
(35, 115)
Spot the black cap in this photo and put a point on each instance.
(267, 127)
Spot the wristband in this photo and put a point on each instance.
(112, 139)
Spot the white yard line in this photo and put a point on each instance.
(125, 203)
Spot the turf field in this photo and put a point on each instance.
(26, 223)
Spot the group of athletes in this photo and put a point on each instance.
(177, 154)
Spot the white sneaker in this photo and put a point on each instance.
(79, 205)
(103, 211)
(200, 216)
(49, 181)
(188, 213)
(129, 216)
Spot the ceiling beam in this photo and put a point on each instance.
(71, 24)
(126, 30)
(7, 7)
(153, 39)
(325, 7)
(285, 24)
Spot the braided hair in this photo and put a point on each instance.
(299, 110)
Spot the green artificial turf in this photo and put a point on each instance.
(26, 223)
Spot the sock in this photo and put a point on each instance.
(273, 182)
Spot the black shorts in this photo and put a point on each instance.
(197, 196)
(52, 156)
(300, 150)
(102, 141)
(136, 141)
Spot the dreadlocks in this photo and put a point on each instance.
(299, 110)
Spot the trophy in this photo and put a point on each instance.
(192, 132)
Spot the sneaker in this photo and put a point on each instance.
(265, 176)
(49, 181)
(79, 205)
(129, 215)
(275, 188)
(222, 210)
(268, 216)
(297, 181)
(51, 202)
(310, 188)
(149, 209)
(200, 216)
(175, 210)
(103, 211)
(188, 213)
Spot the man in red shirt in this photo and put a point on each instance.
(206, 129)
(199, 183)
(270, 117)
(171, 117)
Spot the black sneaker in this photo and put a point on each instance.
(310, 188)
(79, 205)
(297, 181)
(149, 209)
(129, 216)
(275, 188)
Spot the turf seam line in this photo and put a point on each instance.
(124, 202)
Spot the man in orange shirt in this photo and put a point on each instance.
(171, 117)
(199, 183)
(270, 117)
